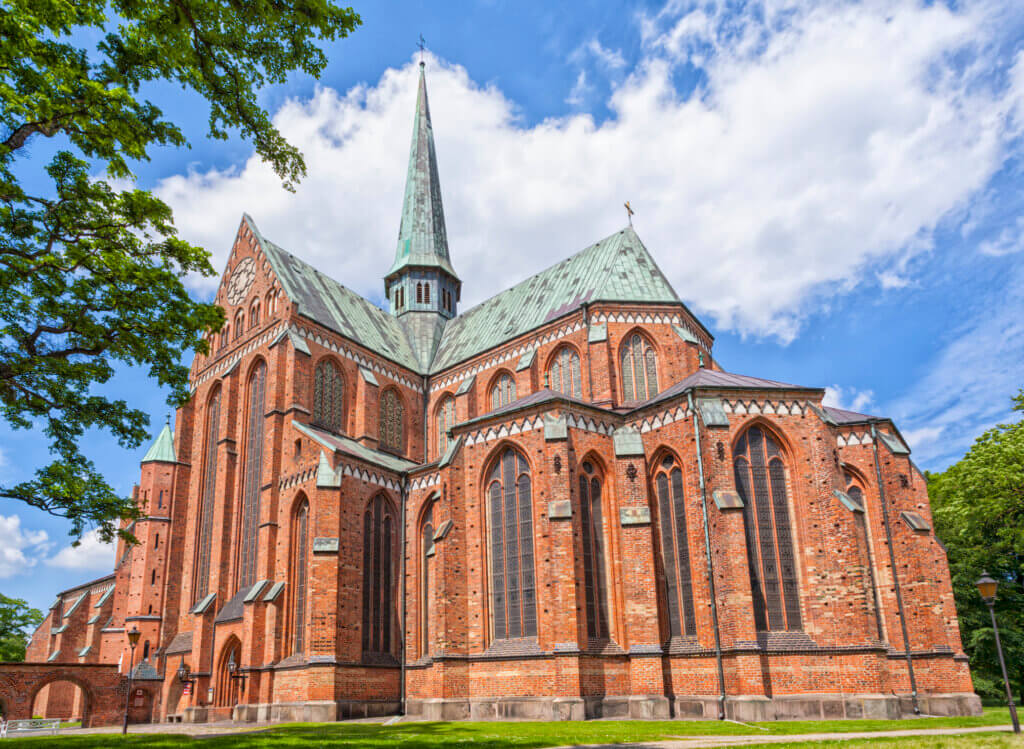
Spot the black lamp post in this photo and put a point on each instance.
(987, 587)
(233, 671)
(133, 640)
(184, 675)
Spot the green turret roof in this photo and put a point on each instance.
(162, 450)
(422, 237)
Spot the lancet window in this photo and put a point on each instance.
(675, 547)
(391, 417)
(445, 421)
(504, 391)
(564, 375)
(378, 553)
(300, 547)
(594, 574)
(251, 480)
(328, 396)
(639, 369)
(510, 520)
(202, 576)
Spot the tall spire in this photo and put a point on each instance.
(422, 237)
(422, 285)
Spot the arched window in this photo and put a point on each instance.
(595, 586)
(300, 545)
(401, 298)
(205, 524)
(445, 421)
(761, 483)
(510, 513)
(391, 417)
(271, 302)
(239, 324)
(252, 479)
(504, 391)
(426, 554)
(426, 293)
(639, 369)
(378, 551)
(254, 315)
(328, 396)
(225, 336)
(564, 375)
(419, 293)
(675, 548)
(856, 493)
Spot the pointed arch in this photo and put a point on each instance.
(299, 572)
(379, 529)
(252, 475)
(204, 526)
(391, 426)
(854, 485)
(239, 324)
(426, 536)
(509, 501)
(254, 314)
(668, 486)
(595, 573)
(227, 691)
(565, 372)
(503, 389)
(419, 292)
(329, 396)
(759, 466)
(445, 420)
(639, 367)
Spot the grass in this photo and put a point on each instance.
(535, 735)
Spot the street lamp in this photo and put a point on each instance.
(233, 670)
(184, 675)
(133, 640)
(987, 587)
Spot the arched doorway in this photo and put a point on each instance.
(228, 689)
(65, 698)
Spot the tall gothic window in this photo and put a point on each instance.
(378, 550)
(593, 553)
(239, 324)
(675, 548)
(251, 480)
(860, 521)
(328, 396)
(639, 369)
(300, 546)
(510, 512)
(445, 421)
(504, 391)
(419, 293)
(426, 293)
(761, 482)
(427, 553)
(254, 315)
(564, 374)
(202, 571)
(391, 417)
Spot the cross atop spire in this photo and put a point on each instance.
(422, 43)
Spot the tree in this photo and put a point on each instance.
(17, 623)
(91, 269)
(978, 506)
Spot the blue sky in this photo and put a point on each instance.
(833, 187)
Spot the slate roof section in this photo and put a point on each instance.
(712, 379)
(182, 643)
(321, 298)
(349, 446)
(841, 416)
(422, 237)
(162, 450)
(618, 268)
(234, 608)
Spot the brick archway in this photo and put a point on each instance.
(103, 689)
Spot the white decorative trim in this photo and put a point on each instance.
(666, 417)
(352, 355)
(424, 482)
(224, 366)
(853, 438)
(652, 318)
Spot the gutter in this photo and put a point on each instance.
(711, 566)
(892, 565)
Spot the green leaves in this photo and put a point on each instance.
(17, 623)
(91, 272)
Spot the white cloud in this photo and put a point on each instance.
(850, 399)
(91, 554)
(608, 59)
(1009, 240)
(825, 141)
(580, 90)
(20, 548)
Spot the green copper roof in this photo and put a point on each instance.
(618, 268)
(323, 299)
(422, 238)
(163, 449)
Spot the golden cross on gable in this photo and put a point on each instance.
(629, 212)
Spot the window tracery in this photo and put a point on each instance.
(675, 548)
(504, 391)
(328, 396)
(564, 375)
(391, 417)
(510, 518)
(639, 369)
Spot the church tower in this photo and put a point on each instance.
(422, 286)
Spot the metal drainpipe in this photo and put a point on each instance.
(892, 564)
(404, 493)
(711, 566)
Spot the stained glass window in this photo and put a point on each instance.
(761, 482)
(639, 369)
(595, 585)
(202, 571)
(564, 374)
(510, 514)
(378, 553)
(504, 391)
(427, 553)
(251, 479)
(391, 417)
(328, 396)
(675, 548)
(445, 421)
(300, 545)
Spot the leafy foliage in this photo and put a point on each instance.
(17, 623)
(978, 505)
(91, 270)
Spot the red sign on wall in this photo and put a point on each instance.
(188, 689)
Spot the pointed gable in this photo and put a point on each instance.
(616, 269)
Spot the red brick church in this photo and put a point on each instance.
(556, 504)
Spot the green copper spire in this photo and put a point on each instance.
(422, 237)
(162, 450)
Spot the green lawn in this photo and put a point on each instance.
(535, 735)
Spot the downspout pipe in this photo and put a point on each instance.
(710, 561)
(404, 493)
(892, 565)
